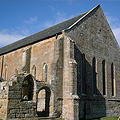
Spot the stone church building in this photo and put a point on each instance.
(70, 70)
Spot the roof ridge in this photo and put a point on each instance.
(87, 13)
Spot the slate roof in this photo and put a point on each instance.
(49, 32)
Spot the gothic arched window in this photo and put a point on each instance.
(94, 75)
(113, 79)
(83, 79)
(104, 77)
(27, 88)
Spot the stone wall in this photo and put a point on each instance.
(40, 53)
(113, 108)
(17, 107)
(94, 38)
(21, 107)
(3, 99)
(57, 76)
(22, 61)
(70, 98)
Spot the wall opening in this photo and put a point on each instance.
(27, 88)
(83, 79)
(113, 79)
(43, 102)
(94, 75)
(104, 76)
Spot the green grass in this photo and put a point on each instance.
(109, 118)
(105, 118)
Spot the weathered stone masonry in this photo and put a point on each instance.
(70, 70)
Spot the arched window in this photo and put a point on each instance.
(45, 72)
(27, 88)
(34, 71)
(104, 77)
(94, 75)
(113, 79)
(83, 79)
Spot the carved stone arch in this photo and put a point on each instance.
(45, 100)
(28, 87)
(41, 84)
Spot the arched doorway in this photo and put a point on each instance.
(43, 102)
(27, 88)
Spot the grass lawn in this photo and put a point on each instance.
(103, 118)
(107, 118)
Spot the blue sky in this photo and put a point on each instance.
(21, 18)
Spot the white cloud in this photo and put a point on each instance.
(48, 23)
(112, 20)
(58, 17)
(9, 38)
(116, 32)
(115, 25)
(31, 20)
(52, 8)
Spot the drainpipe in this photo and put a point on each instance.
(2, 66)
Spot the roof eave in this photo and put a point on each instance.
(29, 44)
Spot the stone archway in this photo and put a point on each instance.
(27, 88)
(43, 102)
